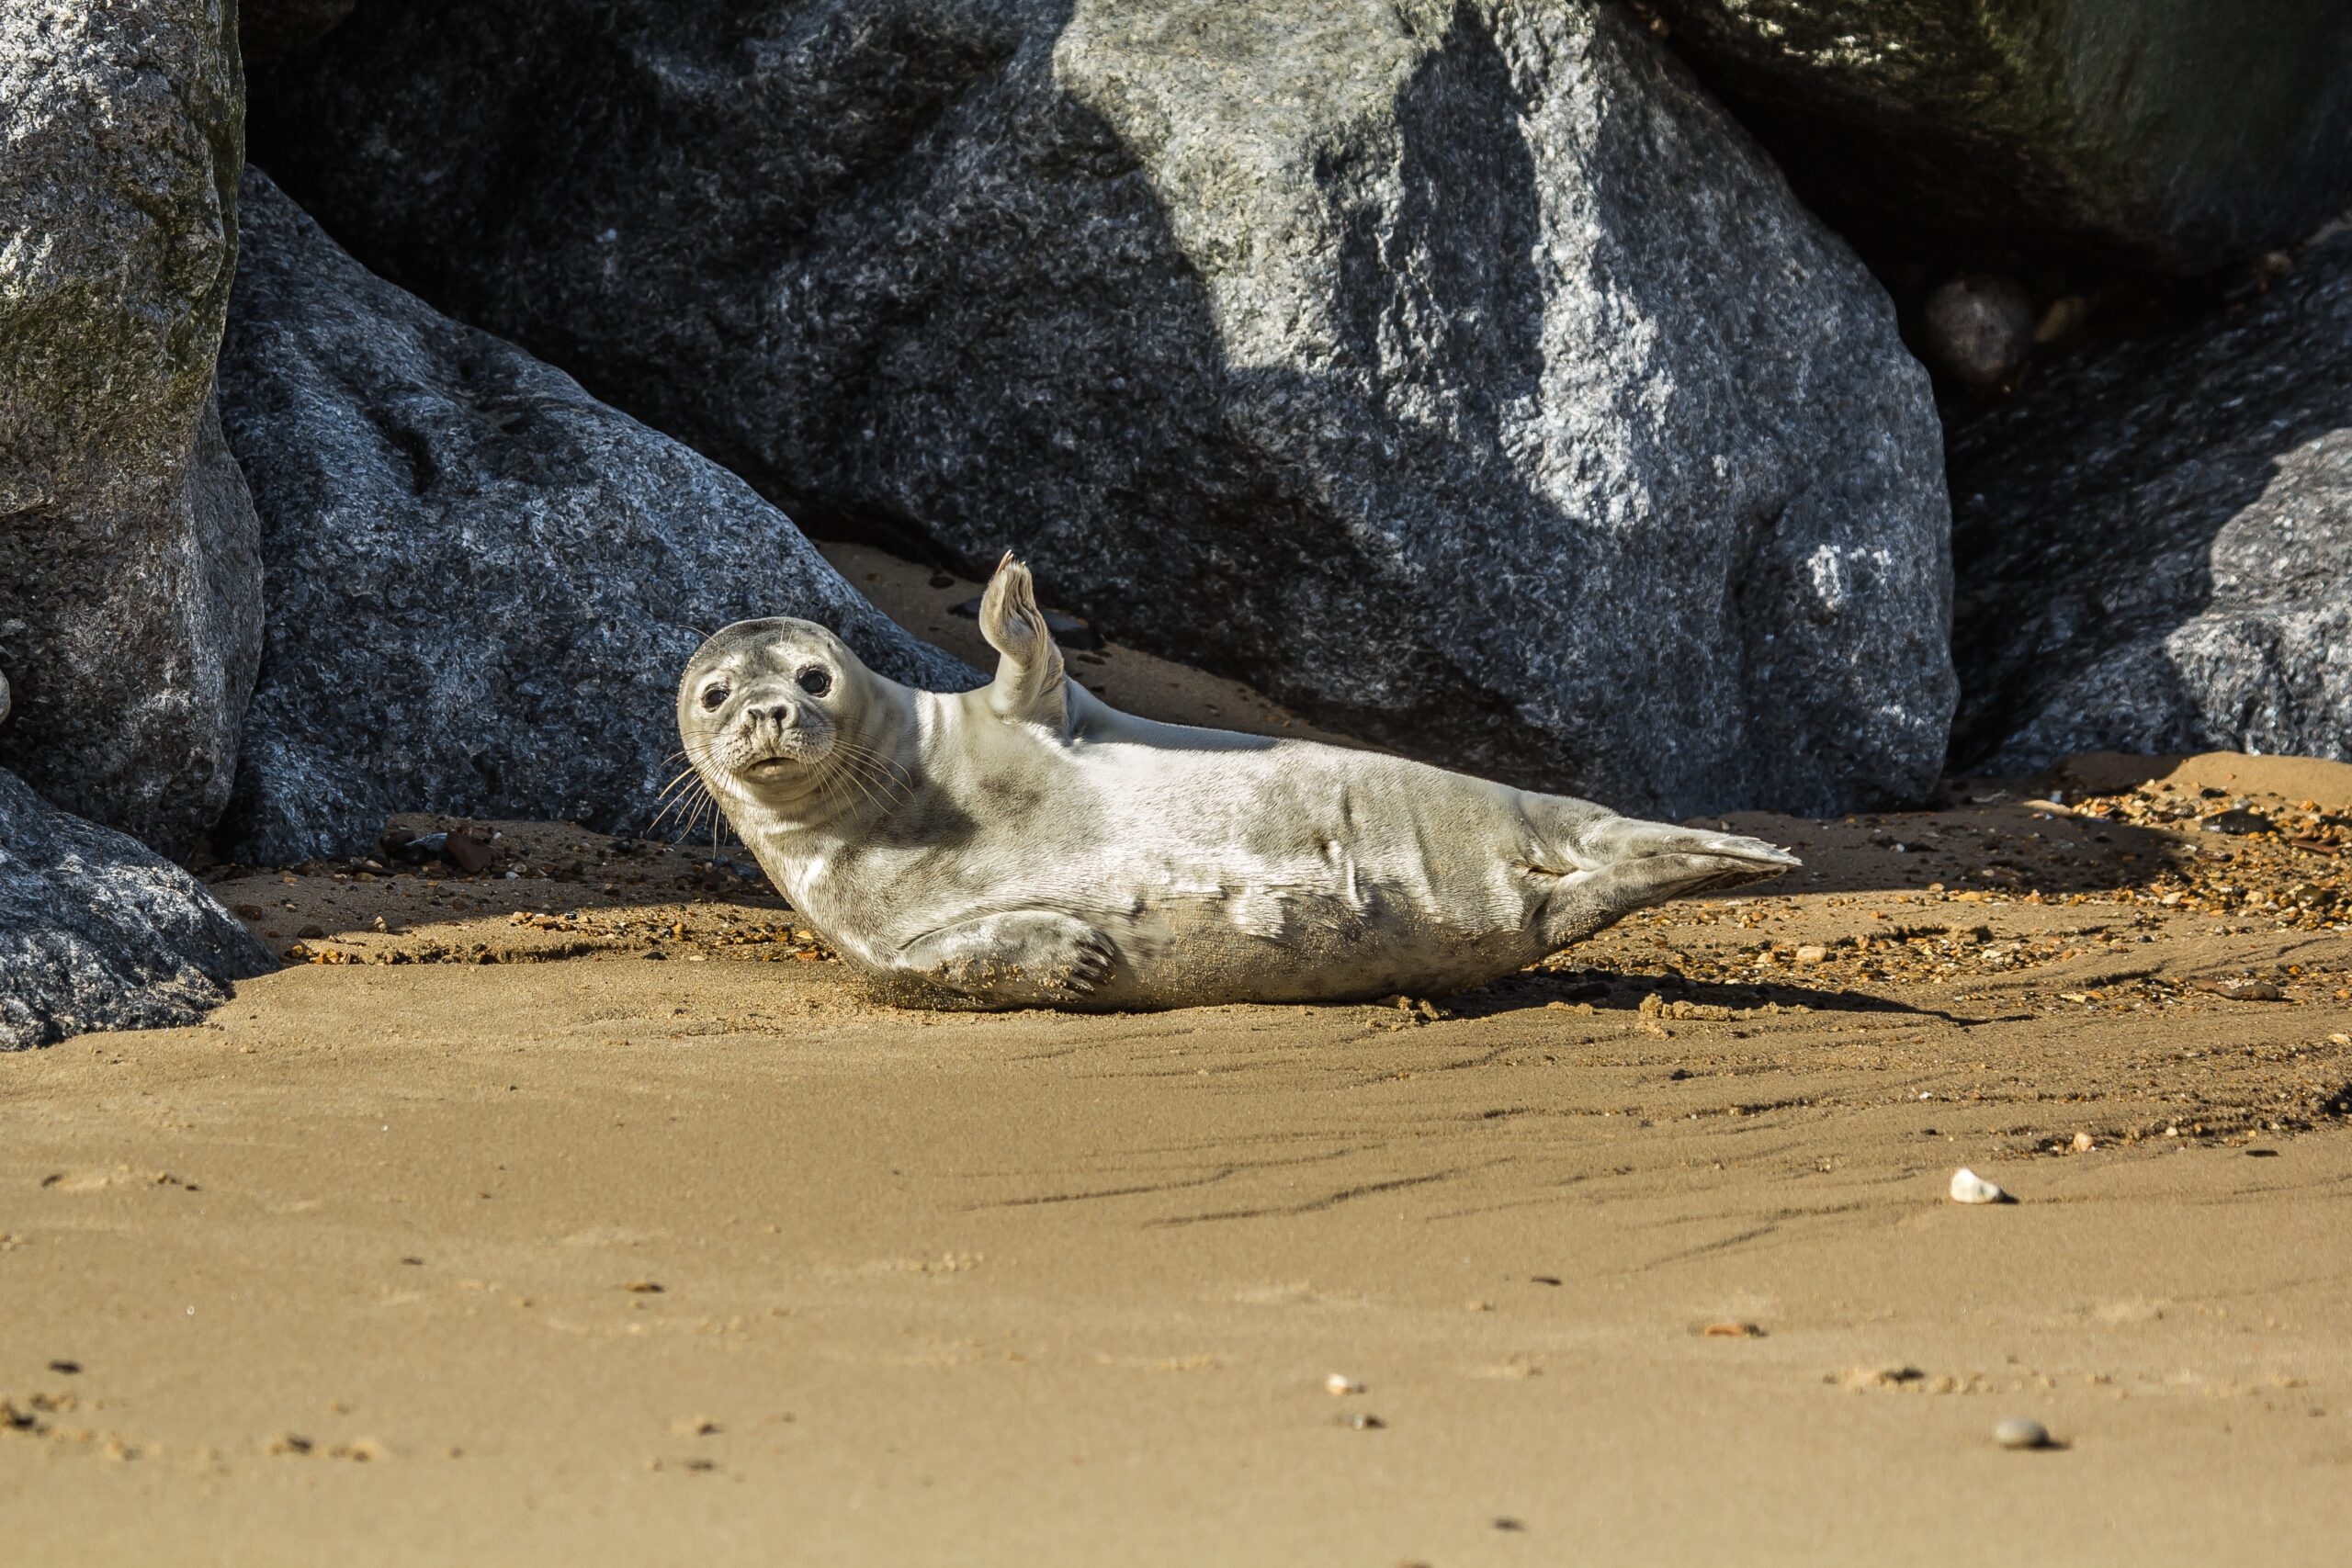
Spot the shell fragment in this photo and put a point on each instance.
(1967, 1187)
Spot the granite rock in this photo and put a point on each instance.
(482, 584)
(1457, 374)
(130, 601)
(2154, 541)
(2174, 135)
(98, 932)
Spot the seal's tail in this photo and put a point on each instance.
(1624, 864)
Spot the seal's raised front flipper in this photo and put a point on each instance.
(1019, 958)
(1028, 688)
(1620, 864)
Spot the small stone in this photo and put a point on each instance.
(2017, 1432)
(466, 852)
(1340, 1384)
(1978, 329)
(417, 851)
(2084, 1142)
(1967, 1187)
(1362, 1422)
(2066, 316)
(1813, 952)
(1731, 1329)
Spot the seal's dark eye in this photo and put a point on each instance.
(815, 682)
(713, 695)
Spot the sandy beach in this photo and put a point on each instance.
(594, 1214)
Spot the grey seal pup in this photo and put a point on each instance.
(1025, 844)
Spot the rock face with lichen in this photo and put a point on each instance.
(2154, 541)
(96, 931)
(129, 597)
(1457, 373)
(2176, 135)
(484, 584)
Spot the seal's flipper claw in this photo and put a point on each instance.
(1028, 687)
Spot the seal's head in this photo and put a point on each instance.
(764, 705)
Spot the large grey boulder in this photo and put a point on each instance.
(98, 932)
(2170, 134)
(482, 583)
(1457, 374)
(2155, 542)
(129, 591)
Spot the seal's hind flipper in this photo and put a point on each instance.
(1028, 688)
(1624, 864)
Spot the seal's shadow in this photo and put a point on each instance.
(1610, 991)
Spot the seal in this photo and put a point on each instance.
(1025, 844)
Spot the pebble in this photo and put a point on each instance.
(2017, 1432)
(1967, 1187)
(1978, 329)
(1340, 1384)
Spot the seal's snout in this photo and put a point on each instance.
(772, 732)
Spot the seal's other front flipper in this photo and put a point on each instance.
(1029, 687)
(1624, 865)
(1019, 958)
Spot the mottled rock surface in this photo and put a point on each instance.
(129, 593)
(2154, 541)
(98, 932)
(2176, 135)
(1459, 375)
(482, 583)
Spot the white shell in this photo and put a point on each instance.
(1967, 1187)
(2018, 1432)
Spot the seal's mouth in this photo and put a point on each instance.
(770, 767)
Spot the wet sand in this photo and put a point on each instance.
(490, 1236)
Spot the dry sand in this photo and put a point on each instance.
(488, 1238)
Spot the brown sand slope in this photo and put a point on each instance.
(485, 1238)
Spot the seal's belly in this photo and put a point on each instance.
(1320, 930)
(1288, 885)
(1287, 874)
